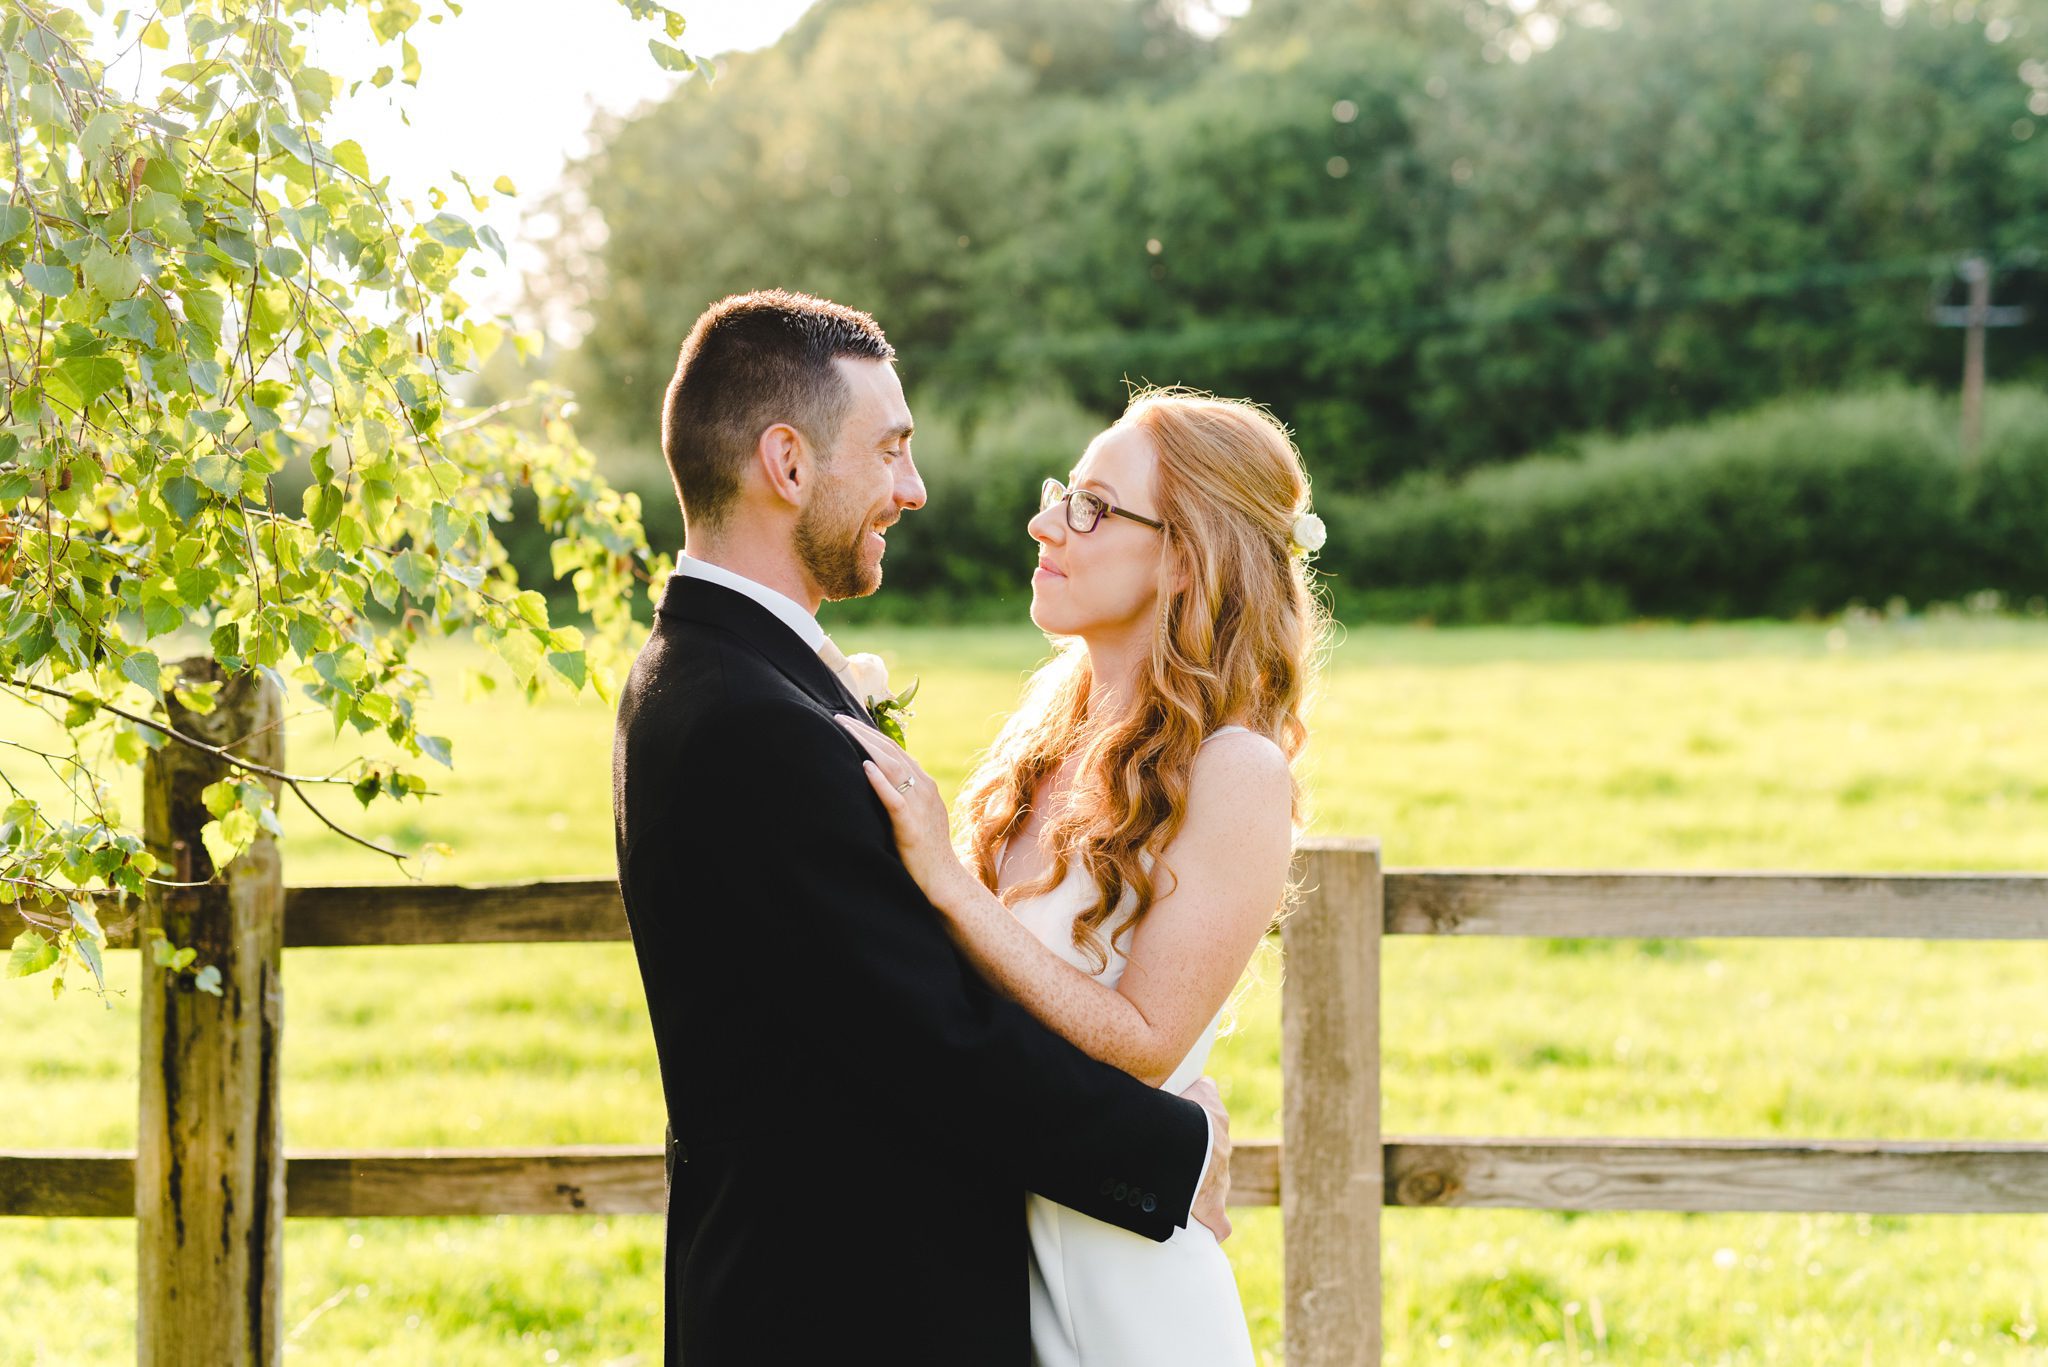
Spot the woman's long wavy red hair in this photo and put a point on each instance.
(1237, 644)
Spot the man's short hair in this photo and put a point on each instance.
(751, 361)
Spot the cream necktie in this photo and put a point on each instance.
(841, 667)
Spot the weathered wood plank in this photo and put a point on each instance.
(68, 1182)
(1688, 905)
(587, 1179)
(1791, 1175)
(549, 910)
(1331, 1189)
(209, 1170)
(1874, 1176)
(591, 1179)
(1559, 904)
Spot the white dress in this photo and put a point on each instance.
(1102, 1296)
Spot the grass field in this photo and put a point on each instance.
(1871, 745)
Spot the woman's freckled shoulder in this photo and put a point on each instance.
(1240, 765)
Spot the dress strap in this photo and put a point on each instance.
(1223, 731)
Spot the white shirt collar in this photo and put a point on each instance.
(790, 612)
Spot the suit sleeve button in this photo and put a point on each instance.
(1151, 1203)
(1108, 1185)
(1122, 1192)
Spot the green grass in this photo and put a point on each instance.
(1866, 745)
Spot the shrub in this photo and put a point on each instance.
(1803, 506)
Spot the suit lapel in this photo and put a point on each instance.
(696, 600)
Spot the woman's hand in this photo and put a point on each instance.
(918, 813)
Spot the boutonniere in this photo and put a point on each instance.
(886, 709)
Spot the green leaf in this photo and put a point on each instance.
(184, 497)
(439, 749)
(160, 618)
(392, 18)
(670, 58)
(450, 231)
(82, 379)
(522, 652)
(219, 797)
(99, 135)
(503, 185)
(207, 980)
(111, 276)
(415, 572)
(88, 950)
(162, 175)
(227, 838)
(76, 339)
(323, 504)
(52, 281)
(448, 526)
(32, 954)
(15, 220)
(203, 309)
(348, 155)
(570, 665)
(220, 472)
(135, 319)
(142, 669)
(531, 608)
(83, 917)
(155, 36)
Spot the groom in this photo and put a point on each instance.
(855, 1117)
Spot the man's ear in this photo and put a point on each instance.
(784, 460)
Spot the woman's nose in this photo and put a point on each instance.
(1049, 525)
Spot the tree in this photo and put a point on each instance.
(199, 292)
(1431, 234)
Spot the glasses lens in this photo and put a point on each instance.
(1049, 493)
(1084, 510)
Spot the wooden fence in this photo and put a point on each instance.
(211, 1182)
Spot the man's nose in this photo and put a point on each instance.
(909, 485)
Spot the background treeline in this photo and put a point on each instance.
(1426, 255)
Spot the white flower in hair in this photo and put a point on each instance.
(1308, 533)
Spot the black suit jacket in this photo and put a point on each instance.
(855, 1116)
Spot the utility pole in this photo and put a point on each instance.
(1976, 316)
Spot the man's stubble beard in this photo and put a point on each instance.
(829, 540)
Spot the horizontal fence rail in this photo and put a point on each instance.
(1752, 1175)
(1506, 902)
(1579, 905)
(583, 1179)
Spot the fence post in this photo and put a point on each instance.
(1332, 1175)
(209, 1168)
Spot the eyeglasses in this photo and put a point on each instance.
(1084, 509)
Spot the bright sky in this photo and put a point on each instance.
(507, 88)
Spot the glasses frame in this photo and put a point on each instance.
(1047, 497)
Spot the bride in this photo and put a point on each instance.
(1127, 836)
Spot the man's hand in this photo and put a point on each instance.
(1215, 1192)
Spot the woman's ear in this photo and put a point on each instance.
(1174, 573)
(784, 462)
